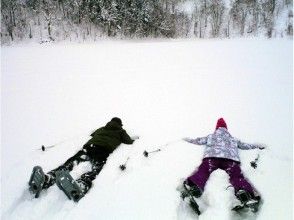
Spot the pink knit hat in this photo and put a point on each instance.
(221, 123)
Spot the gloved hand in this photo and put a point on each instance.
(135, 137)
(261, 146)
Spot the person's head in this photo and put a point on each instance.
(117, 120)
(221, 124)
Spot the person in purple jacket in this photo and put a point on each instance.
(221, 152)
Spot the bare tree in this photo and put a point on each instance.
(216, 10)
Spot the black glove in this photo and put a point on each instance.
(260, 146)
(145, 153)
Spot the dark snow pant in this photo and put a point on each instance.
(232, 168)
(85, 179)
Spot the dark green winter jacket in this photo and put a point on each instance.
(110, 137)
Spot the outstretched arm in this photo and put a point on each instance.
(245, 146)
(198, 141)
(126, 139)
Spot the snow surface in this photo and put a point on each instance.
(163, 91)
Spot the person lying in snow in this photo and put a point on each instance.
(221, 152)
(103, 142)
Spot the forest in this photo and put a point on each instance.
(81, 20)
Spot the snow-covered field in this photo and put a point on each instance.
(163, 91)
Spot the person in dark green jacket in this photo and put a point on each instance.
(106, 139)
(103, 142)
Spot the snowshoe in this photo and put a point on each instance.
(252, 205)
(68, 185)
(193, 189)
(36, 181)
(247, 203)
(191, 193)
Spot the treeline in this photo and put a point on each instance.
(54, 20)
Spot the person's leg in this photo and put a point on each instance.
(85, 181)
(237, 179)
(200, 177)
(50, 177)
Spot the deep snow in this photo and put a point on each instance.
(163, 91)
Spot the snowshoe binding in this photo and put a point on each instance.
(247, 202)
(36, 181)
(191, 192)
(68, 185)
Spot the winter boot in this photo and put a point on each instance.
(243, 196)
(247, 202)
(194, 190)
(84, 185)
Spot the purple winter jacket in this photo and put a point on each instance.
(221, 144)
